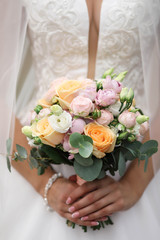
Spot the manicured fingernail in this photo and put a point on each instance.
(95, 223)
(75, 215)
(84, 218)
(68, 201)
(71, 209)
(104, 218)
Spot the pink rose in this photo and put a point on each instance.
(52, 90)
(106, 118)
(144, 128)
(87, 82)
(81, 106)
(78, 126)
(128, 119)
(30, 117)
(44, 112)
(107, 83)
(66, 145)
(117, 86)
(89, 92)
(106, 97)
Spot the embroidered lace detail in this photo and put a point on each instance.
(119, 44)
(59, 37)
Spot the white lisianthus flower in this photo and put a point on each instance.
(61, 123)
(114, 108)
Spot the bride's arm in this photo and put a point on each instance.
(106, 196)
(60, 189)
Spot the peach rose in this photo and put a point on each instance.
(67, 91)
(104, 138)
(46, 133)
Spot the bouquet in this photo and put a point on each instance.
(92, 125)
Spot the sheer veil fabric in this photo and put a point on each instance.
(13, 25)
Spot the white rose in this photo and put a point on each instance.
(114, 108)
(61, 123)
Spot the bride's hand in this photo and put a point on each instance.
(57, 197)
(100, 198)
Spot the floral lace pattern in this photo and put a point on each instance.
(59, 37)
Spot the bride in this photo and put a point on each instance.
(78, 38)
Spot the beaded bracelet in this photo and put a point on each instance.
(47, 187)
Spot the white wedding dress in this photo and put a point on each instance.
(58, 32)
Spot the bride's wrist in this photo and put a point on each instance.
(43, 179)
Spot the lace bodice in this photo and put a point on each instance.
(58, 32)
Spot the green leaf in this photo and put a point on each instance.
(41, 170)
(21, 151)
(8, 145)
(146, 164)
(8, 163)
(33, 162)
(149, 148)
(56, 156)
(89, 173)
(87, 139)
(102, 174)
(83, 161)
(76, 139)
(121, 164)
(132, 147)
(86, 149)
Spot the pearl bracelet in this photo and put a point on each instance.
(48, 186)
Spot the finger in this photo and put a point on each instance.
(106, 211)
(81, 191)
(86, 188)
(79, 222)
(103, 202)
(91, 198)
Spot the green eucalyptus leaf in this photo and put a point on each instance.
(102, 174)
(86, 149)
(87, 139)
(8, 145)
(89, 173)
(76, 139)
(8, 163)
(41, 170)
(132, 147)
(34, 162)
(83, 161)
(146, 163)
(121, 164)
(56, 156)
(149, 148)
(21, 151)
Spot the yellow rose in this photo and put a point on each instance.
(46, 133)
(66, 91)
(44, 103)
(104, 138)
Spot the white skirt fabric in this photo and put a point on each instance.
(23, 215)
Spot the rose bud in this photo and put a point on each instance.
(131, 138)
(27, 130)
(141, 119)
(121, 76)
(108, 72)
(128, 119)
(123, 94)
(130, 96)
(56, 109)
(37, 141)
(122, 136)
(78, 126)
